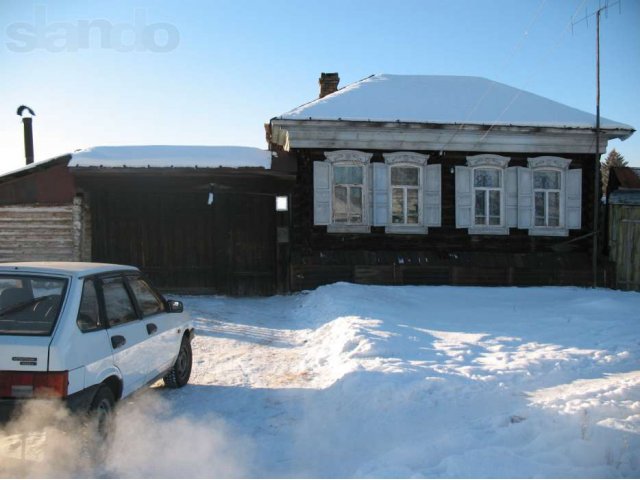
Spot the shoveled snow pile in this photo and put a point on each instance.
(370, 381)
(365, 381)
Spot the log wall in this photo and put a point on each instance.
(33, 232)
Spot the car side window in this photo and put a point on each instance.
(89, 312)
(117, 303)
(148, 301)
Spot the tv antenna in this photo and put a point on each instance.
(596, 174)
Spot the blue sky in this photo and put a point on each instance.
(239, 63)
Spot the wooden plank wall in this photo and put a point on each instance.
(624, 244)
(184, 244)
(446, 255)
(35, 232)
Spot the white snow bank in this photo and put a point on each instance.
(444, 99)
(178, 156)
(366, 381)
(371, 381)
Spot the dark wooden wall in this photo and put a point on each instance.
(50, 185)
(446, 255)
(181, 242)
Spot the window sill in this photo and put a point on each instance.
(549, 232)
(488, 230)
(336, 228)
(406, 230)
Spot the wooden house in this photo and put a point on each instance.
(440, 180)
(197, 219)
(623, 211)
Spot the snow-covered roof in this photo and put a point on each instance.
(444, 99)
(176, 156)
(39, 165)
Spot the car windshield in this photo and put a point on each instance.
(29, 305)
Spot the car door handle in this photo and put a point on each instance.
(118, 341)
(151, 328)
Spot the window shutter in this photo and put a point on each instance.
(511, 200)
(574, 199)
(380, 194)
(432, 196)
(463, 197)
(525, 197)
(321, 193)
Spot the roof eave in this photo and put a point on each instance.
(363, 134)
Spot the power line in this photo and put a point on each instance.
(546, 56)
(512, 54)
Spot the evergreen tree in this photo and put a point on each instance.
(613, 159)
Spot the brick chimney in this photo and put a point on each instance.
(328, 83)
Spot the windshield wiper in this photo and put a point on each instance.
(23, 305)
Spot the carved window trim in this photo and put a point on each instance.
(351, 158)
(560, 165)
(489, 161)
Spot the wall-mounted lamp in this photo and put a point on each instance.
(282, 203)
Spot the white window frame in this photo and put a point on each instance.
(557, 164)
(406, 159)
(350, 158)
(483, 162)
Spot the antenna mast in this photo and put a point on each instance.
(596, 172)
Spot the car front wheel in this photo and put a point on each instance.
(179, 374)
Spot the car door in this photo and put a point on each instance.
(162, 327)
(127, 334)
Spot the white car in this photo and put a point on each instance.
(87, 333)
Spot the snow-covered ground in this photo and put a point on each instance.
(369, 381)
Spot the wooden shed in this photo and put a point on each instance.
(194, 219)
(623, 201)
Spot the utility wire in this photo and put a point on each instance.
(552, 50)
(517, 47)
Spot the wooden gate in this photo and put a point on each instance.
(628, 272)
(184, 244)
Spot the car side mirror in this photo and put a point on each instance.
(175, 306)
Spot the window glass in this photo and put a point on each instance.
(412, 206)
(486, 177)
(397, 205)
(29, 305)
(347, 174)
(117, 302)
(347, 194)
(405, 193)
(89, 312)
(539, 209)
(494, 207)
(546, 179)
(554, 209)
(340, 212)
(547, 184)
(356, 204)
(147, 299)
(405, 176)
(480, 207)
